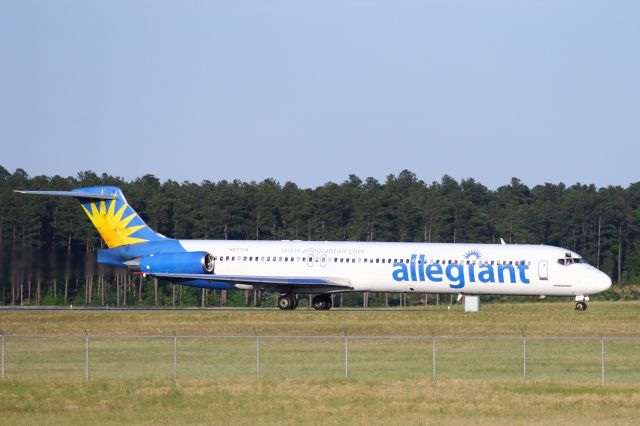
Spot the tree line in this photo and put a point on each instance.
(47, 244)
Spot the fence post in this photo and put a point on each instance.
(346, 354)
(524, 357)
(433, 350)
(175, 355)
(257, 355)
(602, 360)
(86, 355)
(2, 354)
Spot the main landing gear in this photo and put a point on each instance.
(322, 302)
(287, 302)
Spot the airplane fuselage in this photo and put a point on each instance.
(413, 267)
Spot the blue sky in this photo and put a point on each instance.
(312, 91)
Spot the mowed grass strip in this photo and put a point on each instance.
(314, 401)
(541, 318)
(479, 381)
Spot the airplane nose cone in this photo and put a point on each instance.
(604, 282)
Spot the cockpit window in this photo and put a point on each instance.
(571, 260)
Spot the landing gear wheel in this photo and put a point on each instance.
(581, 306)
(322, 302)
(287, 302)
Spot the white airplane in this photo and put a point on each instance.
(322, 268)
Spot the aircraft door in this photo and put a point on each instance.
(543, 270)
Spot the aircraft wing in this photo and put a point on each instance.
(268, 283)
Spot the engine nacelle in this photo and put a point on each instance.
(197, 262)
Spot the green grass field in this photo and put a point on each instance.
(302, 380)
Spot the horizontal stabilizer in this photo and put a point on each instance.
(118, 224)
(74, 194)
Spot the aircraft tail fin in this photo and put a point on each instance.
(108, 210)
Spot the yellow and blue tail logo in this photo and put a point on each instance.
(118, 224)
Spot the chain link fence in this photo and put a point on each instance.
(545, 358)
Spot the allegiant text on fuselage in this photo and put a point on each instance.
(458, 274)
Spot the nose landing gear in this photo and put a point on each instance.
(581, 303)
(581, 306)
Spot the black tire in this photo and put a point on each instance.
(294, 301)
(328, 304)
(284, 302)
(322, 302)
(581, 306)
(318, 302)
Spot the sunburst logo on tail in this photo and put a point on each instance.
(113, 225)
